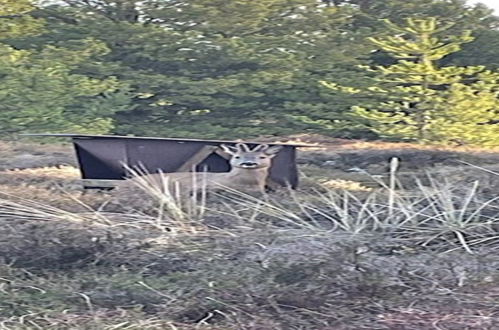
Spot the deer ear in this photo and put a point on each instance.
(272, 151)
(231, 150)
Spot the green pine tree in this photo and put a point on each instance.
(40, 93)
(215, 69)
(416, 99)
(15, 19)
(39, 88)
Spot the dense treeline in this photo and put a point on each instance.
(217, 68)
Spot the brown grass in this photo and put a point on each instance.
(328, 143)
(349, 253)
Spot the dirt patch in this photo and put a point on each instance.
(16, 155)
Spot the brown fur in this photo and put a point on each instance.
(249, 171)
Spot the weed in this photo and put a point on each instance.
(411, 251)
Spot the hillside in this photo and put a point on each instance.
(353, 248)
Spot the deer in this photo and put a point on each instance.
(248, 173)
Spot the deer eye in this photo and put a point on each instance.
(237, 157)
(262, 157)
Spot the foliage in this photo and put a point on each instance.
(418, 100)
(71, 262)
(15, 21)
(41, 93)
(227, 69)
(248, 72)
(481, 51)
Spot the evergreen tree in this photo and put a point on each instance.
(15, 19)
(215, 68)
(237, 68)
(418, 100)
(40, 93)
(483, 50)
(39, 90)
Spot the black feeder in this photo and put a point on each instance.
(103, 159)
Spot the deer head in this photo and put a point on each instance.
(242, 156)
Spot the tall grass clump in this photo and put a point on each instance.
(169, 204)
(387, 258)
(436, 212)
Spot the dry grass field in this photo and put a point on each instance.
(361, 245)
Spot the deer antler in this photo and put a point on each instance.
(243, 147)
(231, 150)
(260, 147)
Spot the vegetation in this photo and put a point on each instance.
(40, 89)
(415, 99)
(380, 236)
(368, 253)
(227, 69)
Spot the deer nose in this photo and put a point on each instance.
(249, 164)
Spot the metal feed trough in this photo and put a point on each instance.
(103, 158)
